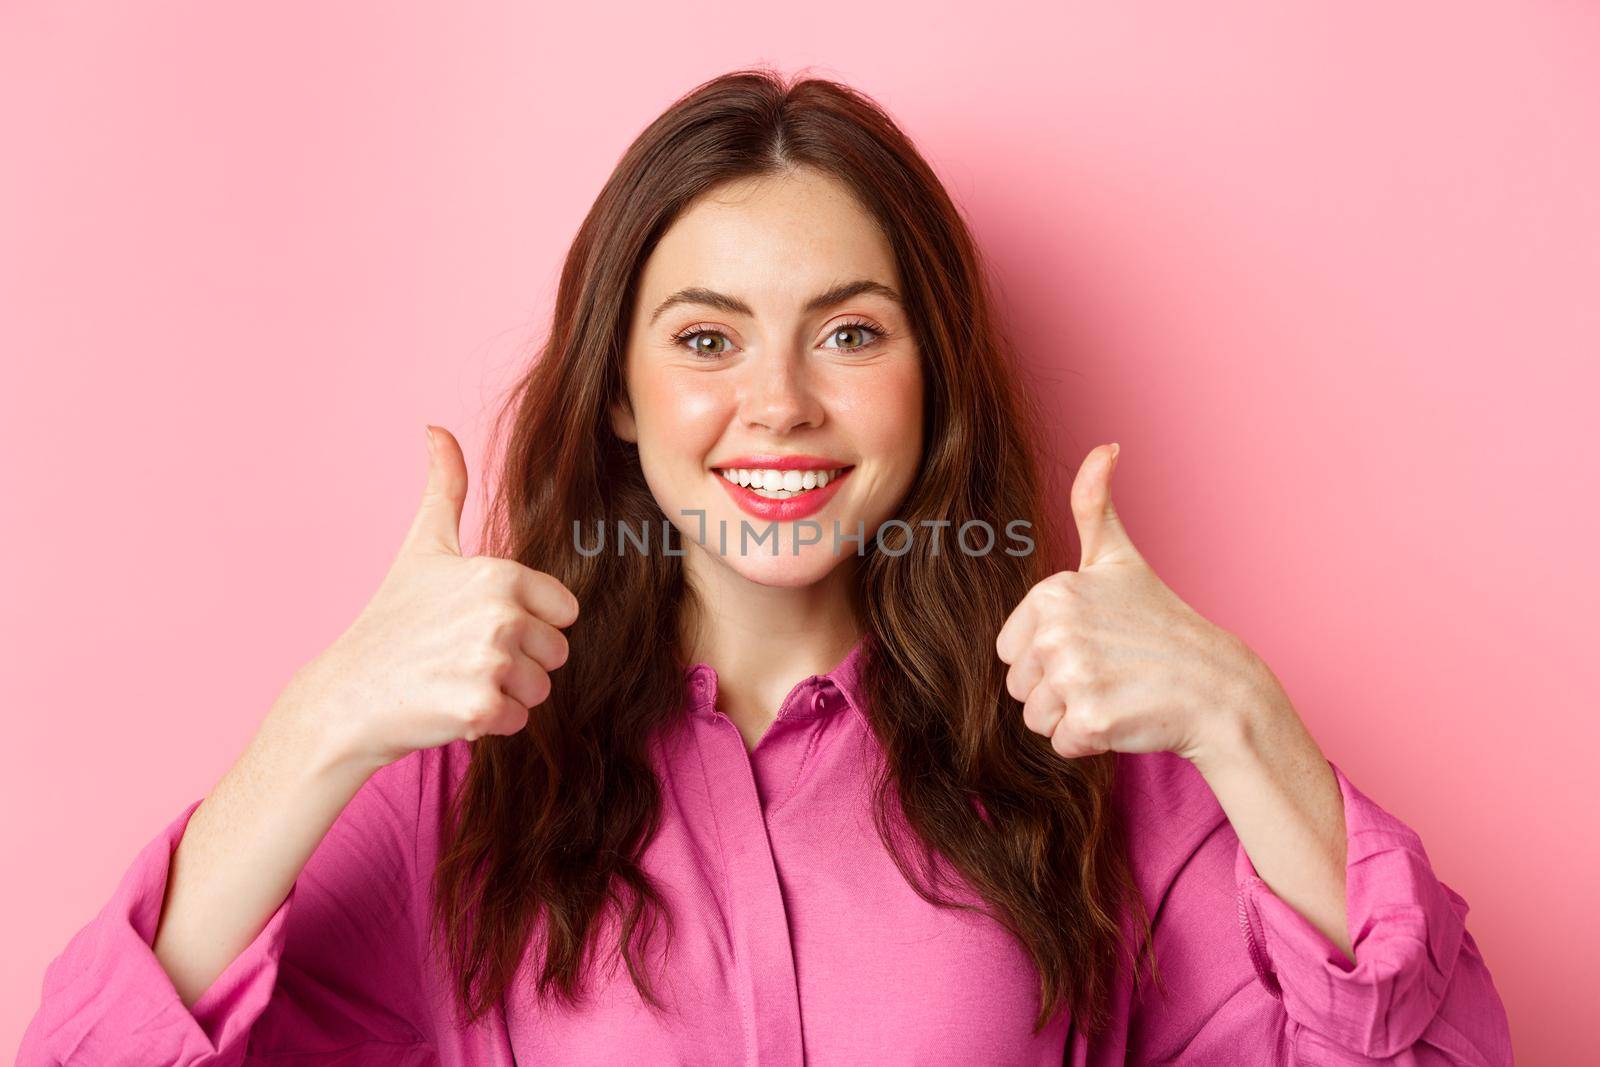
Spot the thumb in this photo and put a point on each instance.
(1100, 531)
(437, 525)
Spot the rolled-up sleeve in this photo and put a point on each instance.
(1247, 979)
(333, 970)
(1418, 977)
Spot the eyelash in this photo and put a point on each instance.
(695, 331)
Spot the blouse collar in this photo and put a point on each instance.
(815, 695)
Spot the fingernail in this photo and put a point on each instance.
(1115, 448)
(428, 430)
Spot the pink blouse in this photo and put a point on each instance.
(796, 938)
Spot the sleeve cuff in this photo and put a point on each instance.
(1406, 927)
(108, 1000)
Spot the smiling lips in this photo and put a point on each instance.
(782, 488)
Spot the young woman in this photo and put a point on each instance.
(893, 786)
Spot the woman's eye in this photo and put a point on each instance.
(707, 343)
(697, 341)
(854, 329)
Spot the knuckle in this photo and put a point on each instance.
(1089, 678)
(482, 709)
(1039, 718)
(1069, 614)
(499, 576)
(1068, 673)
(1091, 723)
(1056, 636)
(1063, 585)
(491, 660)
(504, 623)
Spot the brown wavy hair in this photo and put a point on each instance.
(550, 823)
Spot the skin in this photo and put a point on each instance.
(780, 380)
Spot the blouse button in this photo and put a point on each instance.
(819, 702)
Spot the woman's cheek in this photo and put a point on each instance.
(892, 420)
(686, 416)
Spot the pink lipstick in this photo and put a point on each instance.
(804, 503)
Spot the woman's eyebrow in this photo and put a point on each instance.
(696, 294)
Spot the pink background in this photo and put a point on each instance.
(1328, 275)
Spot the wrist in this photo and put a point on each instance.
(321, 735)
(1238, 726)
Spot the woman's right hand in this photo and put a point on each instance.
(449, 648)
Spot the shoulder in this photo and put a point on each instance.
(1169, 813)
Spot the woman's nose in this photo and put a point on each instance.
(778, 396)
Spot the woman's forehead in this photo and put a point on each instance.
(771, 241)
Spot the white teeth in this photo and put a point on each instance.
(779, 485)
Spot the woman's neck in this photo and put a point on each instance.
(763, 639)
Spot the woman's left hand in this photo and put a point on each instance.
(1108, 659)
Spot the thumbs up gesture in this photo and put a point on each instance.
(449, 647)
(1108, 659)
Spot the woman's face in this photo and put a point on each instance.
(768, 345)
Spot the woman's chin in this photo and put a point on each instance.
(786, 571)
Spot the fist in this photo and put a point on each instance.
(449, 647)
(1108, 658)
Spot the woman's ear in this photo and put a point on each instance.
(622, 423)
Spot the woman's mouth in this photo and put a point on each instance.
(781, 495)
(781, 485)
